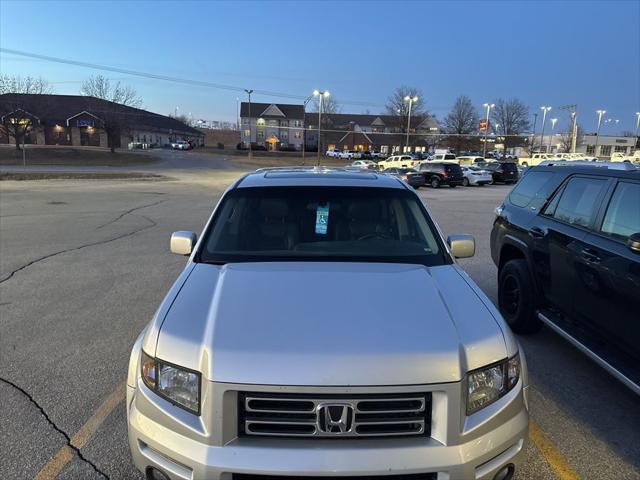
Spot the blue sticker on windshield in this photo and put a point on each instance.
(322, 218)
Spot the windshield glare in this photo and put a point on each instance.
(322, 223)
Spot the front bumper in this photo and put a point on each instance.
(187, 447)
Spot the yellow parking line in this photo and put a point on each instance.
(551, 454)
(82, 436)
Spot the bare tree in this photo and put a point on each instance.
(113, 117)
(565, 137)
(397, 105)
(461, 121)
(16, 110)
(329, 105)
(512, 118)
(183, 118)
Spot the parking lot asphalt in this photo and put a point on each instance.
(85, 263)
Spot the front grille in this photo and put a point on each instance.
(334, 416)
(413, 476)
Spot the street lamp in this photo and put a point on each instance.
(637, 127)
(600, 114)
(321, 96)
(488, 106)
(411, 101)
(553, 127)
(249, 91)
(545, 110)
(304, 128)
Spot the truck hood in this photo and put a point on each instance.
(331, 324)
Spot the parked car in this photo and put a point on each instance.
(409, 175)
(377, 155)
(503, 172)
(471, 160)
(364, 164)
(398, 161)
(535, 159)
(437, 174)
(349, 154)
(313, 376)
(333, 153)
(475, 176)
(180, 145)
(439, 157)
(566, 241)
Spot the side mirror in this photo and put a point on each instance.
(633, 243)
(462, 245)
(182, 242)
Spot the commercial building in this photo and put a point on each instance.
(272, 126)
(607, 144)
(76, 120)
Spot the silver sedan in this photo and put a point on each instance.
(475, 176)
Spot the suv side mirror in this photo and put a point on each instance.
(633, 243)
(182, 242)
(462, 245)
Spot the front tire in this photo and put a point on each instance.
(435, 182)
(517, 297)
(465, 182)
(452, 185)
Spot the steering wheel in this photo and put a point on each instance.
(380, 235)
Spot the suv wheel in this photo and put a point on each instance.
(517, 298)
(465, 182)
(435, 182)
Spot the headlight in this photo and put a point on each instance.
(488, 384)
(178, 385)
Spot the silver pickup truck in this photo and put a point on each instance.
(322, 327)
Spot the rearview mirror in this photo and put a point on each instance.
(182, 242)
(462, 245)
(633, 243)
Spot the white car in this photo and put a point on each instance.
(180, 145)
(472, 175)
(441, 157)
(333, 153)
(282, 348)
(364, 164)
(349, 154)
(399, 161)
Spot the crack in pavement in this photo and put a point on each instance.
(66, 436)
(92, 244)
(128, 212)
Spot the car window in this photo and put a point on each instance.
(533, 190)
(322, 224)
(623, 213)
(577, 203)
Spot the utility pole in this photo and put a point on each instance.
(533, 134)
(545, 110)
(600, 114)
(411, 101)
(249, 92)
(488, 106)
(637, 129)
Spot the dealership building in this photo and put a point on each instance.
(77, 120)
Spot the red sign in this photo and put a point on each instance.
(484, 125)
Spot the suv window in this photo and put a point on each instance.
(623, 213)
(533, 190)
(344, 224)
(449, 157)
(577, 203)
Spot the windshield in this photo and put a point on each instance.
(322, 224)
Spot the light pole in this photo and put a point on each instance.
(637, 129)
(574, 131)
(545, 110)
(488, 106)
(533, 134)
(411, 101)
(249, 91)
(304, 128)
(600, 114)
(553, 127)
(321, 96)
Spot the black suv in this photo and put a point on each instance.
(441, 173)
(566, 241)
(503, 172)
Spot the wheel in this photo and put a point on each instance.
(517, 297)
(492, 182)
(465, 182)
(452, 185)
(525, 164)
(435, 182)
(482, 184)
(416, 187)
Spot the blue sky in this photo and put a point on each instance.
(545, 53)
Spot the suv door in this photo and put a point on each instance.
(557, 238)
(608, 271)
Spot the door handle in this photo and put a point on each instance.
(590, 256)
(536, 232)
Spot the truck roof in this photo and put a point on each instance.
(318, 176)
